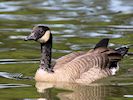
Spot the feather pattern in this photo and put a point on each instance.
(67, 58)
(87, 67)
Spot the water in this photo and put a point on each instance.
(76, 25)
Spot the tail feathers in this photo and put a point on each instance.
(122, 50)
(103, 43)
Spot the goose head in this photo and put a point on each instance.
(43, 35)
(40, 33)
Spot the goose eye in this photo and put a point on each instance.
(40, 31)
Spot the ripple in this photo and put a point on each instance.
(75, 47)
(72, 14)
(16, 61)
(9, 6)
(16, 76)
(68, 31)
(122, 84)
(3, 86)
(121, 28)
(128, 96)
(23, 30)
(10, 75)
(79, 47)
(63, 5)
(64, 51)
(1, 43)
(17, 37)
(16, 30)
(54, 18)
(120, 5)
(94, 34)
(19, 17)
(58, 39)
(105, 18)
(7, 49)
(55, 25)
(68, 36)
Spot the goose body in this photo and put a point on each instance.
(76, 67)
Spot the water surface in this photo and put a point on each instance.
(76, 25)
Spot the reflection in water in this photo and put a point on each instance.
(77, 92)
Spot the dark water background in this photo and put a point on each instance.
(76, 25)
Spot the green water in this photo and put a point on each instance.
(76, 25)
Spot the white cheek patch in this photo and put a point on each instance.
(45, 37)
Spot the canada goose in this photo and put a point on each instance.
(77, 67)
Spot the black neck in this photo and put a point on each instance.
(46, 48)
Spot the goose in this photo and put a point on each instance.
(77, 67)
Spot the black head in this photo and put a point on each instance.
(40, 33)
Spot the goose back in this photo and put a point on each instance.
(67, 58)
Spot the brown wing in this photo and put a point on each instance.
(67, 58)
(111, 56)
(76, 67)
(92, 58)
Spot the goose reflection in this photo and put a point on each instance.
(73, 91)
